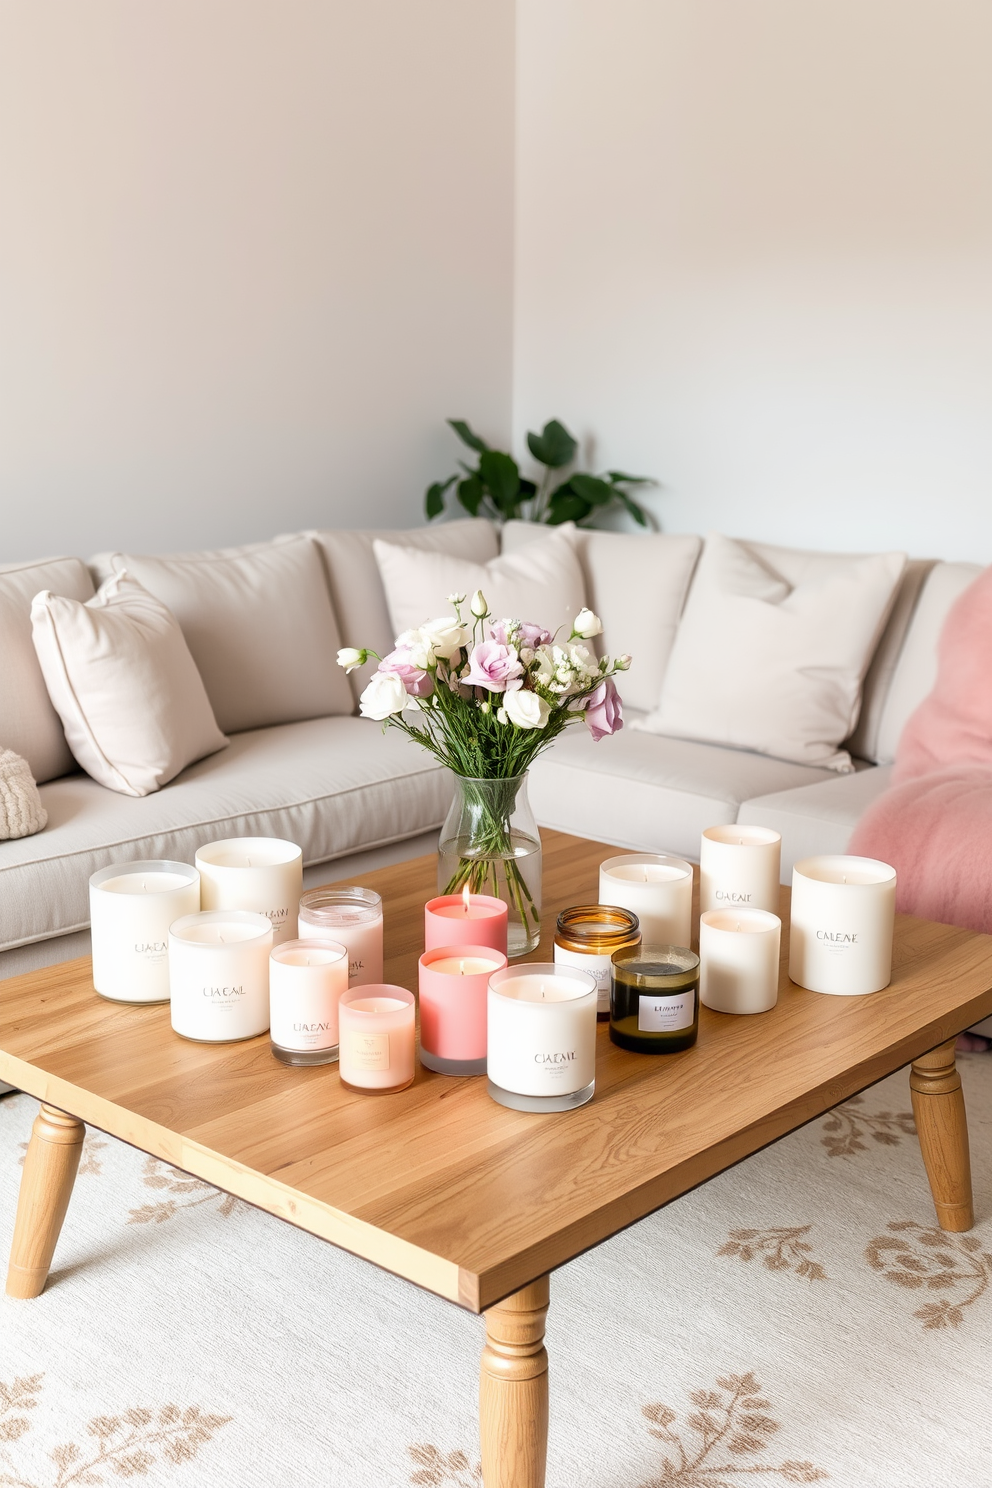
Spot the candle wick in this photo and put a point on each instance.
(845, 878)
(738, 924)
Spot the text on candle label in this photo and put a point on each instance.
(369, 1051)
(730, 896)
(224, 991)
(660, 1014)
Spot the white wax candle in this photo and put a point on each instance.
(353, 916)
(464, 965)
(219, 975)
(262, 874)
(739, 960)
(843, 915)
(657, 889)
(132, 906)
(378, 1038)
(542, 1031)
(739, 868)
(306, 980)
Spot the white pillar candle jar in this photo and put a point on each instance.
(739, 868)
(306, 980)
(353, 916)
(658, 889)
(219, 975)
(132, 906)
(739, 960)
(262, 874)
(542, 1037)
(843, 913)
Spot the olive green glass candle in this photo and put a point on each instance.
(654, 1002)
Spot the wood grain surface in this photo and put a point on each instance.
(438, 1183)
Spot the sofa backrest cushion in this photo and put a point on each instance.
(637, 584)
(863, 743)
(29, 725)
(259, 623)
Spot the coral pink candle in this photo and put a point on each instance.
(465, 919)
(377, 1038)
(454, 990)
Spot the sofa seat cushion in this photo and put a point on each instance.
(649, 793)
(817, 818)
(334, 785)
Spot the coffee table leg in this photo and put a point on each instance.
(46, 1187)
(513, 1394)
(938, 1105)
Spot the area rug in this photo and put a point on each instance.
(797, 1320)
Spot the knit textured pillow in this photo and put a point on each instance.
(21, 811)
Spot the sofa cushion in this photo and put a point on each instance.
(637, 584)
(334, 785)
(817, 818)
(648, 793)
(260, 625)
(864, 742)
(29, 725)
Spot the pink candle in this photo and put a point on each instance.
(465, 919)
(377, 1037)
(454, 988)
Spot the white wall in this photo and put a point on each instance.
(753, 259)
(251, 255)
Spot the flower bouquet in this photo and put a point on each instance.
(486, 697)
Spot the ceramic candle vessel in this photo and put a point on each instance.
(739, 960)
(306, 980)
(353, 916)
(454, 987)
(465, 919)
(739, 868)
(132, 906)
(843, 916)
(654, 887)
(261, 874)
(542, 1037)
(378, 1035)
(219, 975)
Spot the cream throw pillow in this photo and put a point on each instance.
(542, 583)
(122, 680)
(764, 663)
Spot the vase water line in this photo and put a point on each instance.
(490, 844)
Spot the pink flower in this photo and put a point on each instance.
(603, 710)
(494, 666)
(399, 663)
(526, 633)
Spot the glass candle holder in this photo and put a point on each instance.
(454, 988)
(353, 916)
(377, 1031)
(586, 937)
(843, 916)
(739, 868)
(132, 906)
(465, 919)
(658, 889)
(219, 975)
(306, 980)
(261, 874)
(542, 1037)
(655, 1000)
(739, 960)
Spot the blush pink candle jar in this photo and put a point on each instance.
(465, 919)
(454, 994)
(376, 1028)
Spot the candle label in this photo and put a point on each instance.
(369, 1051)
(731, 896)
(598, 967)
(660, 1014)
(835, 942)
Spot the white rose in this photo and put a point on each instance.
(446, 636)
(349, 658)
(384, 696)
(544, 665)
(584, 662)
(526, 709)
(587, 625)
(478, 606)
(420, 647)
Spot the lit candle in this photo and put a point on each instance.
(132, 906)
(465, 919)
(306, 980)
(843, 915)
(353, 916)
(219, 975)
(658, 889)
(739, 960)
(377, 1030)
(542, 1037)
(454, 985)
(739, 868)
(262, 874)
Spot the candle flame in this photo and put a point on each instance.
(466, 898)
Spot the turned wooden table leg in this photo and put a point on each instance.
(46, 1187)
(938, 1105)
(513, 1393)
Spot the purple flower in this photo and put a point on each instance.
(495, 666)
(526, 633)
(398, 663)
(604, 710)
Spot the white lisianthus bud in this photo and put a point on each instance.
(384, 696)
(587, 625)
(350, 658)
(622, 663)
(485, 708)
(527, 710)
(501, 715)
(456, 599)
(478, 606)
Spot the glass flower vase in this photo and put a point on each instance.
(490, 842)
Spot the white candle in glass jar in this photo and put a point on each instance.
(132, 906)
(657, 888)
(378, 1038)
(353, 916)
(542, 1037)
(219, 975)
(306, 980)
(739, 868)
(739, 960)
(843, 914)
(262, 874)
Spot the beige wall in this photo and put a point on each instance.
(753, 259)
(251, 254)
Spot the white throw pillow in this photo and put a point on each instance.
(124, 684)
(773, 649)
(542, 583)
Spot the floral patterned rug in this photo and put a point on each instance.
(799, 1319)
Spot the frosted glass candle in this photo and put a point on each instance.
(739, 960)
(465, 919)
(657, 889)
(739, 868)
(843, 914)
(263, 874)
(219, 975)
(132, 906)
(353, 916)
(454, 988)
(378, 1035)
(542, 1037)
(306, 980)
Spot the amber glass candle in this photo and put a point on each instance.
(655, 1000)
(586, 937)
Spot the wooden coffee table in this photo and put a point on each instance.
(440, 1185)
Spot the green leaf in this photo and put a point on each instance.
(554, 446)
(434, 496)
(527, 487)
(466, 436)
(501, 478)
(470, 494)
(636, 511)
(594, 490)
(630, 480)
(566, 506)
